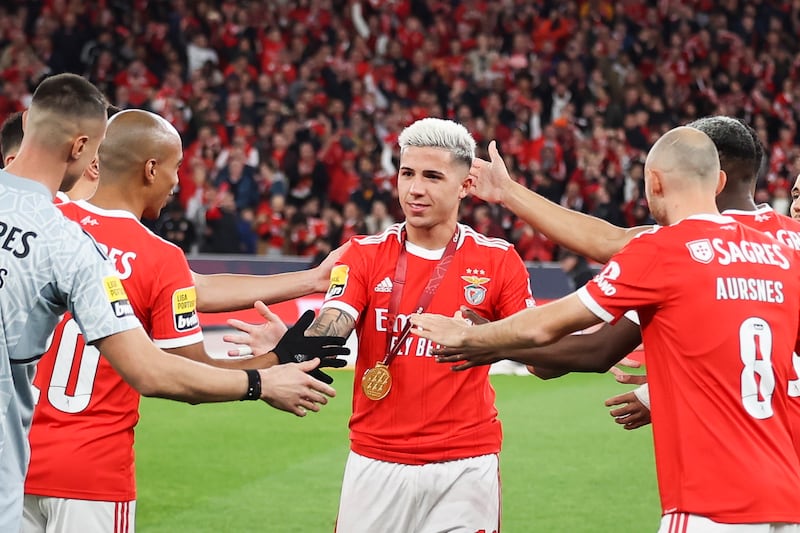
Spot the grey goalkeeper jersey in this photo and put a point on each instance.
(48, 266)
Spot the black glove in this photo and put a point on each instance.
(295, 347)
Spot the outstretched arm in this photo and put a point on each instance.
(587, 235)
(153, 372)
(234, 292)
(197, 352)
(592, 352)
(538, 326)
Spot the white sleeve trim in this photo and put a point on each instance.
(633, 316)
(179, 342)
(642, 393)
(592, 305)
(341, 306)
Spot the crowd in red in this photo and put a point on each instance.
(290, 111)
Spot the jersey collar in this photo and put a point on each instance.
(709, 217)
(759, 210)
(424, 253)
(116, 213)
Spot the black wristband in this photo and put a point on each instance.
(253, 385)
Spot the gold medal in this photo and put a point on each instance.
(376, 382)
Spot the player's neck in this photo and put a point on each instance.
(433, 238)
(112, 199)
(737, 200)
(685, 210)
(38, 166)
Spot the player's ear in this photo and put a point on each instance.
(150, 170)
(721, 181)
(93, 170)
(466, 185)
(654, 179)
(78, 146)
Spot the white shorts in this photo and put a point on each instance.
(460, 496)
(692, 523)
(44, 514)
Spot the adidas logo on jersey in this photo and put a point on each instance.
(384, 286)
(89, 221)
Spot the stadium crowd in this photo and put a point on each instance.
(289, 111)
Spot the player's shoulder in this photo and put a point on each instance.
(695, 226)
(471, 237)
(120, 221)
(372, 242)
(787, 222)
(653, 236)
(157, 242)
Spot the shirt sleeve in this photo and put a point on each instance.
(516, 290)
(347, 291)
(629, 281)
(93, 291)
(174, 319)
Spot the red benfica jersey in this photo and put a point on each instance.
(82, 433)
(431, 413)
(786, 230)
(765, 219)
(719, 314)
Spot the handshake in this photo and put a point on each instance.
(295, 347)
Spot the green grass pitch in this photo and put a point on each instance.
(565, 466)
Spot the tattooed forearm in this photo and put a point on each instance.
(331, 322)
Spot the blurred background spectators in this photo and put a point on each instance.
(290, 111)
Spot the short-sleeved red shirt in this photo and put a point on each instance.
(431, 413)
(719, 310)
(82, 433)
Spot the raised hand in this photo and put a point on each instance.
(296, 347)
(292, 388)
(256, 338)
(490, 178)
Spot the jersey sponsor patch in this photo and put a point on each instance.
(339, 276)
(184, 309)
(117, 297)
(609, 273)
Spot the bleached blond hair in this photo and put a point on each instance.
(440, 133)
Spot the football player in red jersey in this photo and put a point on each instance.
(740, 154)
(424, 440)
(63, 270)
(722, 420)
(86, 412)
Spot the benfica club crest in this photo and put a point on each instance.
(475, 292)
(701, 251)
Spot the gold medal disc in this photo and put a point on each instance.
(376, 382)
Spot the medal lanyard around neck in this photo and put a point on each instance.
(398, 284)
